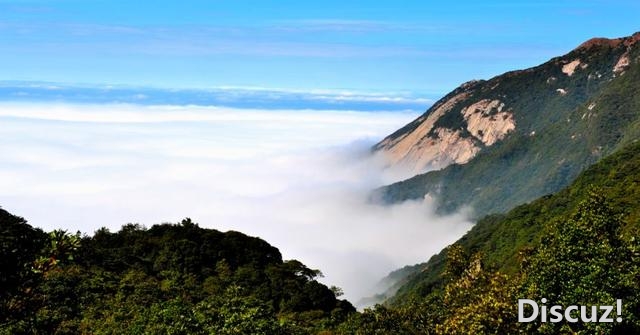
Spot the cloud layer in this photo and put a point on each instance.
(298, 179)
(227, 96)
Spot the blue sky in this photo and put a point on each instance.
(390, 46)
(274, 147)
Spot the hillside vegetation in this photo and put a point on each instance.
(568, 113)
(168, 279)
(577, 246)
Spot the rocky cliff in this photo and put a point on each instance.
(425, 144)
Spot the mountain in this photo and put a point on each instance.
(501, 237)
(494, 144)
(578, 246)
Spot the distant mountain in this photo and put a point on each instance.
(495, 144)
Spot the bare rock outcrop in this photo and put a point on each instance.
(487, 121)
(570, 67)
(430, 147)
(416, 150)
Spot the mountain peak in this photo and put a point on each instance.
(609, 42)
(550, 120)
(600, 42)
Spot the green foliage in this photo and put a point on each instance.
(478, 302)
(576, 247)
(504, 239)
(581, 259)
(61, 248)
(410, 319)
(599, 114)
(456, 263)
(168, 279)
(20, 244)
(585, 261)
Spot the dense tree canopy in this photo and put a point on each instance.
(168, 279)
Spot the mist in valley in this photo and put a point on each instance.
(300, 179)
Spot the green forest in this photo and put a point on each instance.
(168, 279)
(575, 247)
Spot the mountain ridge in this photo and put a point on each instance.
(552, 120)
(612, 42)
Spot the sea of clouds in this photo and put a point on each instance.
(300, 179)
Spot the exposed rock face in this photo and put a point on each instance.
(431, 147)
(570, 68)
(622, 63)
(523, 123)
(487, 121)
(446, 148)
(416, 150)
(569, 112)
(517, 120)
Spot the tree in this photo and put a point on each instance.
(585, 261)
(61, 247)
(20, 245)
(478, 301)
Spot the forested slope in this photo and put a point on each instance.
(168, 279)
(577, 246)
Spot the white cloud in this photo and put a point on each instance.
(298, 179)
(228, 96)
